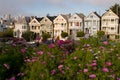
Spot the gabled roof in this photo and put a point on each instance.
(109, 11)
(64, 16)
(51, 18)
(39, 19)
(97, 14)
(81, 15)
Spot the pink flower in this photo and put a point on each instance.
(108, 63)
(75, 57)
(43, 62)
(6, 65)
(53, 72)
(40, 52)
(93, 64)
(12, 78)
(51, 46)
(105, 70)
(94, 61)
(60, 67)
(92, 76)
(23, 50)
(85, 70)
(105, 43)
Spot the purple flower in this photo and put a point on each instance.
(40, 52)
(60, 67)
(105, 70)
(108, 63)
(93, 64)
(105, 43)
(53, 72)
(12, 78)
(23, 50)
(51, 46)
(92, 76)
(6, 65)
(43, 62)
(85, 70)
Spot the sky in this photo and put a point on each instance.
(53, 7)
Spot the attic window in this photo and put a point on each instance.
(91, 16)
(45, 20)
(74, 17)
(34, 21)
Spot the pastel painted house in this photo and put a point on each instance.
(60, 25)
(34, 25)
(21, 26)
(46, 25)
(76, 24)
(110, 23)
(92, 23)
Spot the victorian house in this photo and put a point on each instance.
(46, 25)
(60, 25)
(76, 24)
(21, 26)
(92, 23)
(110, 22)
(34, 25)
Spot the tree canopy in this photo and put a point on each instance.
(116, 9)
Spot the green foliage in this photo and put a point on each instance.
(116, 9)
(64, 34)
(29, 36)
(100, 33)
(45, 36)
(7, 33)
(80, 34)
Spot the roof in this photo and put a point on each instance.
(97, 14)
(81, 15)
(65, 16)
(39, 19)
(51, 17)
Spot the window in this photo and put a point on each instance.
(38, 27)
(91, 16)
(15, 34)
(45, 20)
(112, 28)
(77, 24)
(71, 24)
(74, 17)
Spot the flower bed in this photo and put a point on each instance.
(90, 59)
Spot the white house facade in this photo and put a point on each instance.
(92, 24)
(60, 25)
(21, 26)
(34, 25)
(46, 25)
(76, 24)
(110, 23)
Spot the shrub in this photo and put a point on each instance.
(100, 33)
(29, 36)
(45, 36)
(64, 34)
(7, 33)
(80, 34)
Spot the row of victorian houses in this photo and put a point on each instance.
(55, 25)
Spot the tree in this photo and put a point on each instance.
(28, 35)
(100, 33)
(7, 33)
(116, 9)
(64, 34)
(80, 34)
(45, 36)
